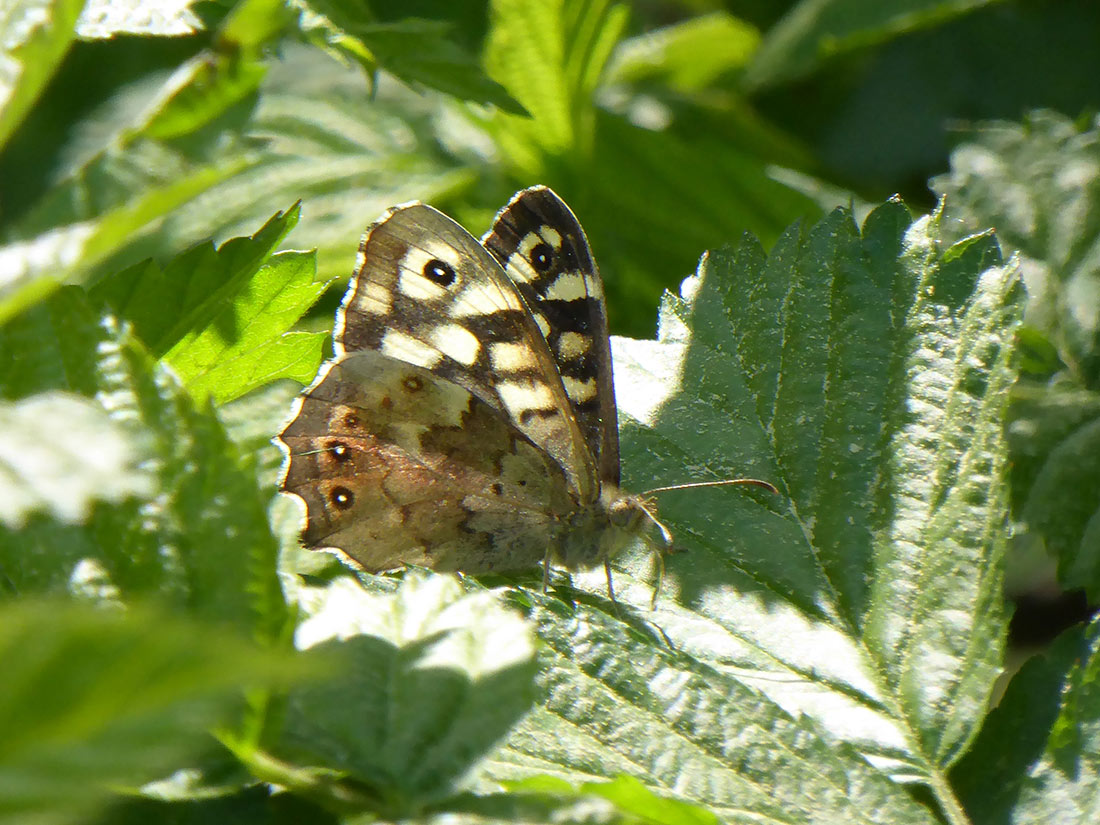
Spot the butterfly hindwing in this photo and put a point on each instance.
(398, 466)
(543, 249)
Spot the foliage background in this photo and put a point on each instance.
(845, 665)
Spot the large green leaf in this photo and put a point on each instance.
(199, 539)
(866, 374)
(432, 678)
(231, 309)
(1038, 184)
(34, 37)
(93, 700)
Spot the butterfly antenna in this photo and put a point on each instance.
(666, 534)
(767, 485)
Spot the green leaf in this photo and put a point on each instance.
(433, 678)
(347, 156)
(688, 55)
(549, 55)
(151, 168)
(195, 285)
(95, 698)
(1054, 434)
(648, 223)
(34, 37)
(1036, 758)
(1038, 184)
(865, 372)
(225, 334)
(992, 775)
(623, 801)
(616, 699)
(84, 458)
(200, 540)
(418, 51)
(812, 31)
(262, 351)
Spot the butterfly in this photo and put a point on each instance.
(468, 421)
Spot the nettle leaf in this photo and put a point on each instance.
(432, 678)
(146, 171)
(86, 457)
(323, 139)
(1054, 434)
(199, 540)
(812, 31)
(34, 37)
(1038, 184)
(1063, 784)
(94, 700)
(232, 307)
(689, 54)
(549, 56)
(858, 615)
(419, 51)
(108, 18)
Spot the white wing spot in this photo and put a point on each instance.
(594, 285)
(519, 269)
(457, 342)
(416, 286)
(511, 357)
(405, 348)
(569, 286)
(373, 298)
(579, 391)
(551, 236)
(542, 323)
(520, 396)
(572, 345)
(482, 298)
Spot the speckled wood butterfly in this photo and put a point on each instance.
(468, 419)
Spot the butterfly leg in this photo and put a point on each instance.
(546, 564)
(610, 587)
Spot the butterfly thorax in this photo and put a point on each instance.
(602, 530)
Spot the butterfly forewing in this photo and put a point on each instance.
(427, 293)
(543, 249)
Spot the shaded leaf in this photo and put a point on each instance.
(812, 31)
(200, 540)
(416, 50)
(688, 55)
(433, 678)
(35, 34)
(97, 698)
(1038, 184)
(59, 453)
